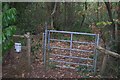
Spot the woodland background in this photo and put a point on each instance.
(93, 17)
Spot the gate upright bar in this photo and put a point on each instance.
(48, 46)
(95, 57)
(71, 43)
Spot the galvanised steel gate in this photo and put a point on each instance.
(73, 55)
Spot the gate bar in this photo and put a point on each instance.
(73, 32)
(70, 62)
(72, 41)
(70, 67)
(72, 57)
(71, 49)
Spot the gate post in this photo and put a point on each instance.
(104, 64)
(44, 46)
(29, 48)
(48, 46)
(97, 43)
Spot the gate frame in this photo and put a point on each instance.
(46, 45)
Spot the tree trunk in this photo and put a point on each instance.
(69, 15)
(84, 15)
(65, 14)
(49, 8)
(111, 19)
(56, 17)
(98, 11)
(118, 46)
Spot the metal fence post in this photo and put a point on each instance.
(43, 46)
(96, 52)
(71, 43)
(45, 51)
(48, 46)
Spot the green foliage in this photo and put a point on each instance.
(9, 28)
(91, 56)
(79, 68)
(82, 68)
(105, 27)
(102, 23)
(66, 38)
(9, 17)
(31, 16)
(83, 71)
(52, 66)
(57, 35)
(35, 47)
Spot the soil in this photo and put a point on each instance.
(16, 66)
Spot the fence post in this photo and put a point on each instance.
(48, 48)
(103, 64)
(43, 46)
(29, 48)
(44, 51)
(96, 52)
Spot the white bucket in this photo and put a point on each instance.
(18, 47)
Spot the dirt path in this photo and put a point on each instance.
(18, 70)
(17, 67)
(40, 72)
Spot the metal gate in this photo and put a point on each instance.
(73, 53)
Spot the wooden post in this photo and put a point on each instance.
(29, 48)
(106, 54)
(103, 65)
(43, 46)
